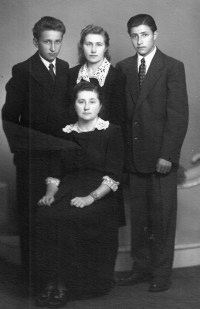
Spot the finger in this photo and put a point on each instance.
(158, 168)
(42, 202)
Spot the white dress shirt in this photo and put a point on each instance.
(147, 58)
(47, 63)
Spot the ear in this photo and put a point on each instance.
(35, 42)
(155, 35)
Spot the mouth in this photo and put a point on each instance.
(52, 54)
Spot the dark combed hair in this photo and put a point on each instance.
(92, 29)
(48, 23)
(85, 86)
(141, 19)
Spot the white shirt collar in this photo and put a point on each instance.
(100, 74)
(100, 125)
(47, 63)
(147, 58)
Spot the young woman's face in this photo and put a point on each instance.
(94, 48)
(87, 105)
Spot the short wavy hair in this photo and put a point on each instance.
(48, 23)
(92, 29)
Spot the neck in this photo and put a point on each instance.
(86, 126)
(93, 67)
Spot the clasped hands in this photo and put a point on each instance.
(163, 166)
(80, 202)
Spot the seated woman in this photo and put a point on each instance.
(78, 221)
(94, 66)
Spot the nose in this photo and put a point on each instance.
(139, 40)
(52, 47)
(86, 106)
(93, 49)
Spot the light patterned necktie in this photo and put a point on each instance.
(142, 72)
(51, 66)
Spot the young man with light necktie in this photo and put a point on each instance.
(156, 125)
(36, 106)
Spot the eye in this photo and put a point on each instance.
(58, 42)
(93, 101)
(80, 101)
(99, 44)
(87, 43)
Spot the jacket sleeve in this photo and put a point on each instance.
(16, 91)
(176, 114)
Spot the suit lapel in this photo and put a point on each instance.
(40, 73)
(151, 78)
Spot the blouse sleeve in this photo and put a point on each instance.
(115, 154)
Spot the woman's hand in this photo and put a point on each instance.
(82, 201)
(46, 200)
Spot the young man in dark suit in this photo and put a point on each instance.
(156, 124)
(35, 108)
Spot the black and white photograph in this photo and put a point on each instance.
(100, 154)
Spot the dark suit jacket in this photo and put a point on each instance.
(157, 116)
(113, 91)
(35, 101)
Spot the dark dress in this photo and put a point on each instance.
(74, 244)
(113, 91)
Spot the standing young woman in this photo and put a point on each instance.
(78, 221)
(94, 66)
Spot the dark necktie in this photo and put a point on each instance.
(51, 66)
(142, 72)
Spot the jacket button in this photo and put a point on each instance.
(136, 122)
(136, 138)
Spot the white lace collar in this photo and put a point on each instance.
(100, 125)
(100, 74)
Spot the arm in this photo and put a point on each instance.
(100, 192)
(16, 90)
(176, 119)
(55, 169)
(48, 198)
(113, 170)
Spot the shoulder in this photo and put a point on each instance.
(113, 130)
(21, 69)
(115, 75)
(25, 67)
(170, 61)
(62, 63)
(125, 62)
(74, 70)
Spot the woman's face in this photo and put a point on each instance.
(94, 48)
(87, 105)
